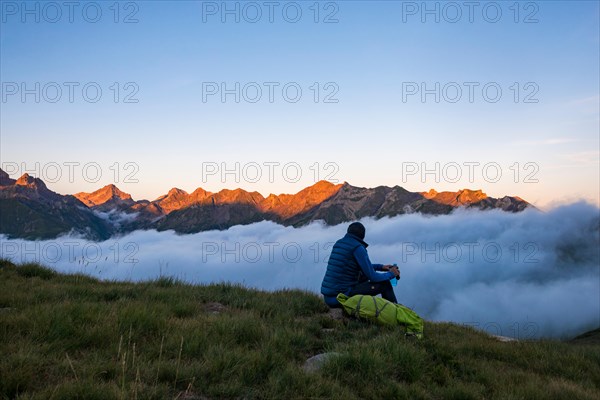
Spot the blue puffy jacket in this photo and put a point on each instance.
(348, 265)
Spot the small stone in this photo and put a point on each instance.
(315, 363)
(504, 338)
(336, 313)
(214, 308)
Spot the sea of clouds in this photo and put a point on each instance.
(526, 275)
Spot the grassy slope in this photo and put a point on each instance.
(72, 336)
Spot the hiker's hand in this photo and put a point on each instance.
(387, 267)
(396, 271)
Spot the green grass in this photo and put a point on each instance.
(71, 336)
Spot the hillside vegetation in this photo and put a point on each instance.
(71, 336)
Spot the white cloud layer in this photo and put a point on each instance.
(526, 275)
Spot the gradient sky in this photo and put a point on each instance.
(368, 136)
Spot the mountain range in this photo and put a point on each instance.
(28, 209)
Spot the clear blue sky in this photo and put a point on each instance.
(374, 50)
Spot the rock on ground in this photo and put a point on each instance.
(336, 313)
(315, 363)
(504, 338)
(214, 307)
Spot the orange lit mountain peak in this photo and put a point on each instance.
(109, 193)
(455, 199)
(286, 205)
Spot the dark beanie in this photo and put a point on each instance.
(357, 229)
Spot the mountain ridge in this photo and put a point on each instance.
(29, 210)
(202, 210)
(108, 196)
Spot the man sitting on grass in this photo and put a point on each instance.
(350, 271)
